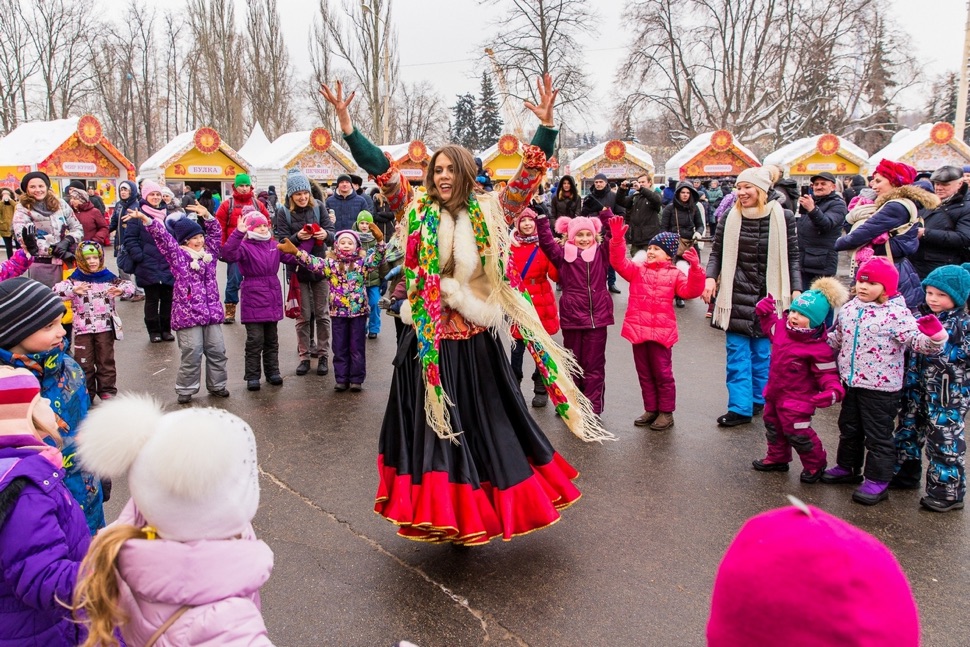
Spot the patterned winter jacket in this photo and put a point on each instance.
(62, 381)
(935, 382)
(15, 265)
(802, 365)
(51, 229)
(93, 309)
(195, 301)
(871, 340)
(348, 288)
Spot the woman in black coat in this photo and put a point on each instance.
(566, 202)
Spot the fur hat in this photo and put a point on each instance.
(572, 226)
(149, 186)
(896, 173)
(826, 294)
(296, 181)
(192, 473)
(759, 177)
(799, 576)
(879, 270)
(667, 241)
(26, 306)
(183, 228)
(952, 279)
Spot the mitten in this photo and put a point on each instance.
(691, 257)
(374, 229)
(618, 227)
(930, 326)
(765, 307)
(825, 398)
(287, 247)
(881, 238)
(29, 237)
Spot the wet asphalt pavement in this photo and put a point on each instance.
(631, 563)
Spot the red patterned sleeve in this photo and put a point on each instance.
(517, 193)
(396, 189)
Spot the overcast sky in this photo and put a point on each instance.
(439, 40)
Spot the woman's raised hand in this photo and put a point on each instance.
(340, 105)
(547, 97)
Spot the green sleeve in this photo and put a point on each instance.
(367, 155)
(545, 138)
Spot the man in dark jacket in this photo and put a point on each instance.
(357, 182)
(944, 238)
(642, 212)
(855, 184)
(346, 204)
(601, 197)
(819, 227)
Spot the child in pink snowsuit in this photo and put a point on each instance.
(802, 375)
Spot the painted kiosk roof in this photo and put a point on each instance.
(926, 148)
(811, 155)
(504, 157)
(65, 148)
(711, 154)
(312, 151)
(412, 158)
(195, 155)
(614, 159)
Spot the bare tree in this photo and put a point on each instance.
(16, 66)
(420, 113)
(536, 37)
(269, 61)
(218, 91)
(366, 41)
(57, 31)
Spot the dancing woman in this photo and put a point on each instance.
(460, 458)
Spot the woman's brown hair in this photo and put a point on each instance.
(51, 201)
(96, 594)
(463, 184)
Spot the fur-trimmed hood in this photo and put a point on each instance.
(921, 197)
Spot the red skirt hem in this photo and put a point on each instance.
(437, 510)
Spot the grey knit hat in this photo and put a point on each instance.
(296, 181)
(26, 306)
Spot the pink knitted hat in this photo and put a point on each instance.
(255, 219)
(572, 226)
(879, 270)
(799, 577)
(148, 186)
(526, 213)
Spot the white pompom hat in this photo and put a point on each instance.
(192, 473)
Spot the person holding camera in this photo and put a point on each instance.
(820, 225)
(58, 229)
(642, 211)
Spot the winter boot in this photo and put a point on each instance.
(763, 466)
(938, 505)
(839, 474)
(540, 396)
(871, 492)
(664, 421)
(646, 419)
(907, 477)
(230, 313)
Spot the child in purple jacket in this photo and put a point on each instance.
(585, 307)
(346, 268)
(802, 375)
(252, 247)
(192, 254)
(43, 533)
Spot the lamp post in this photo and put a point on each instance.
(386, 55)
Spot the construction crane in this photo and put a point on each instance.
(510, 112)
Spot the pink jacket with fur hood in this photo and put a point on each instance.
(220, 579)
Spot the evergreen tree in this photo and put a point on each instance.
(464, 129)
(629, 135)
(489, 120)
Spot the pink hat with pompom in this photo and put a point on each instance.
(572, 226)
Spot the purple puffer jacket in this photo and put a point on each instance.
(259, 261)
(802, 365)
(585, 302)
(43, 538)
(15, 265)
(195, 301)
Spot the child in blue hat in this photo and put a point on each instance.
(936, 397)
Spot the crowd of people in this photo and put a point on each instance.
(454, 264)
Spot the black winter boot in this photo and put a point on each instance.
(541, 396)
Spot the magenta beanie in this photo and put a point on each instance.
(878, 269)
(799, 577)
